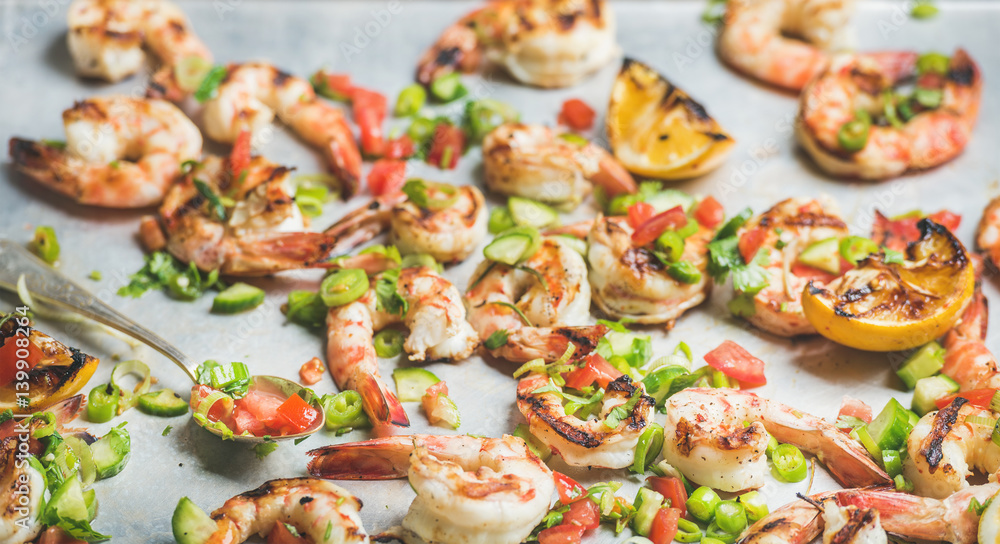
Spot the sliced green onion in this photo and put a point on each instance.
(853, 135)
(996, 434)
(649, 446)
(102, 403)
(306, 308)
(995, 402)
(482, 116)
(892, 462)
(772, 444)
(714, 532)
(343, 287)
(928, 98)
(862, 435)
(534, 365)
(731, 516)
(191, 71)
(702, 503)
(229, 376)
(139, 368)
(419, 192)
(574, 138)
(534, 444)
(45, 244)
(531, 213)
(923, 9)
(755, 506)
(85, 457)
(789, 463)
(206, 404)
(310, 199)
(410, 100)
(448, 87)
(687, 531)
(500, 220)
(389, 343)
(343, 410)
(934, 63)
(497, 339)
(889, 109)
(903, 484)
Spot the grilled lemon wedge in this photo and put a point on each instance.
(56, 373)
(657, 130)
(882, 306)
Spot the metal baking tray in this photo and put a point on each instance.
(379, 43)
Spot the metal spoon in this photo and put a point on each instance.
(51, 287)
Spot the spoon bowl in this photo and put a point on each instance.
(51, 287)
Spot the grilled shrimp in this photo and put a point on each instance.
(555, 294)
(106, 40)
(251, 95)
(753, 38)
(788, 228)
(988, 233)
(630, 282)
(547, 43)
(469, 490)
(945, 447)
(798, 522)
(120, 152)
(586, 443)
(967, 360)
(534, 162)
(928, 138)
(708, 440)
(263, 233)
(438, 330)
(325, 512)
(448, 233)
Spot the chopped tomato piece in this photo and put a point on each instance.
(639, 213)
(568, 488)
(399, 148)
(852, 407)
(584, 514)
(439, 388)
(652, 228)
(595, 369)
(672, 489)
(709, 213)
(750, 242)
(200, 392)
(561, 534)
(387, 176)
(298, 413)
(281, 535)
(931, 80)
(734, 361)
(977, 397)
(664, 527)
(369, 112)
(337, 86)
(239, 157)
(577, 115)
(55, 535)
(312, 371)
(447, 146)
(897, 234)
(9, 358)
(812, 273)
(946, 219)
(262, 406)
(243, 420)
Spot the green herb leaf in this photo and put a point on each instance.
(497, 339)
(210, 85)
(264, 449)
(215, 203)
(387, 294)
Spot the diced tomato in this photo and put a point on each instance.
(55, 535)
(9, 358)
(652, 228)
(750, 242)
(298, 413)
(439, 388)
(734, 361)
(263, 407)
(812, 273)
(709, 213)
(584, 514)
(931, 80)
(243, 420)
(946, 219)
(339, 85)
(595, 369)
(399, 148)
(672, 489)
(447, 146)
(387, 176)
(239, 157)
(281, 535)
(639, 213)
(577, 115)
(852, 407)
(312, 371)
(200, 392)
(664, 527)
(561, 534)
(977, 397)
(568, 488)
(369, 109)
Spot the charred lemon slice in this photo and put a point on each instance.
(657, 130)
(38, 371)
(890, 306)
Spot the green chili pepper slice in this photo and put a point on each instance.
(789, 463)
(389, 343)
(343, 287)
(45, 244)
(102, 403)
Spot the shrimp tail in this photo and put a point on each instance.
(458, 48)
(163, 85)
(363, 224)
(270, 253)
(579, 229)
(377, 459)
(344, 158)
(46, 164)
(381, 404)
(897, 512)
(798, 522)
(613, 177)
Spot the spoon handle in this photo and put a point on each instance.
(51, 287)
